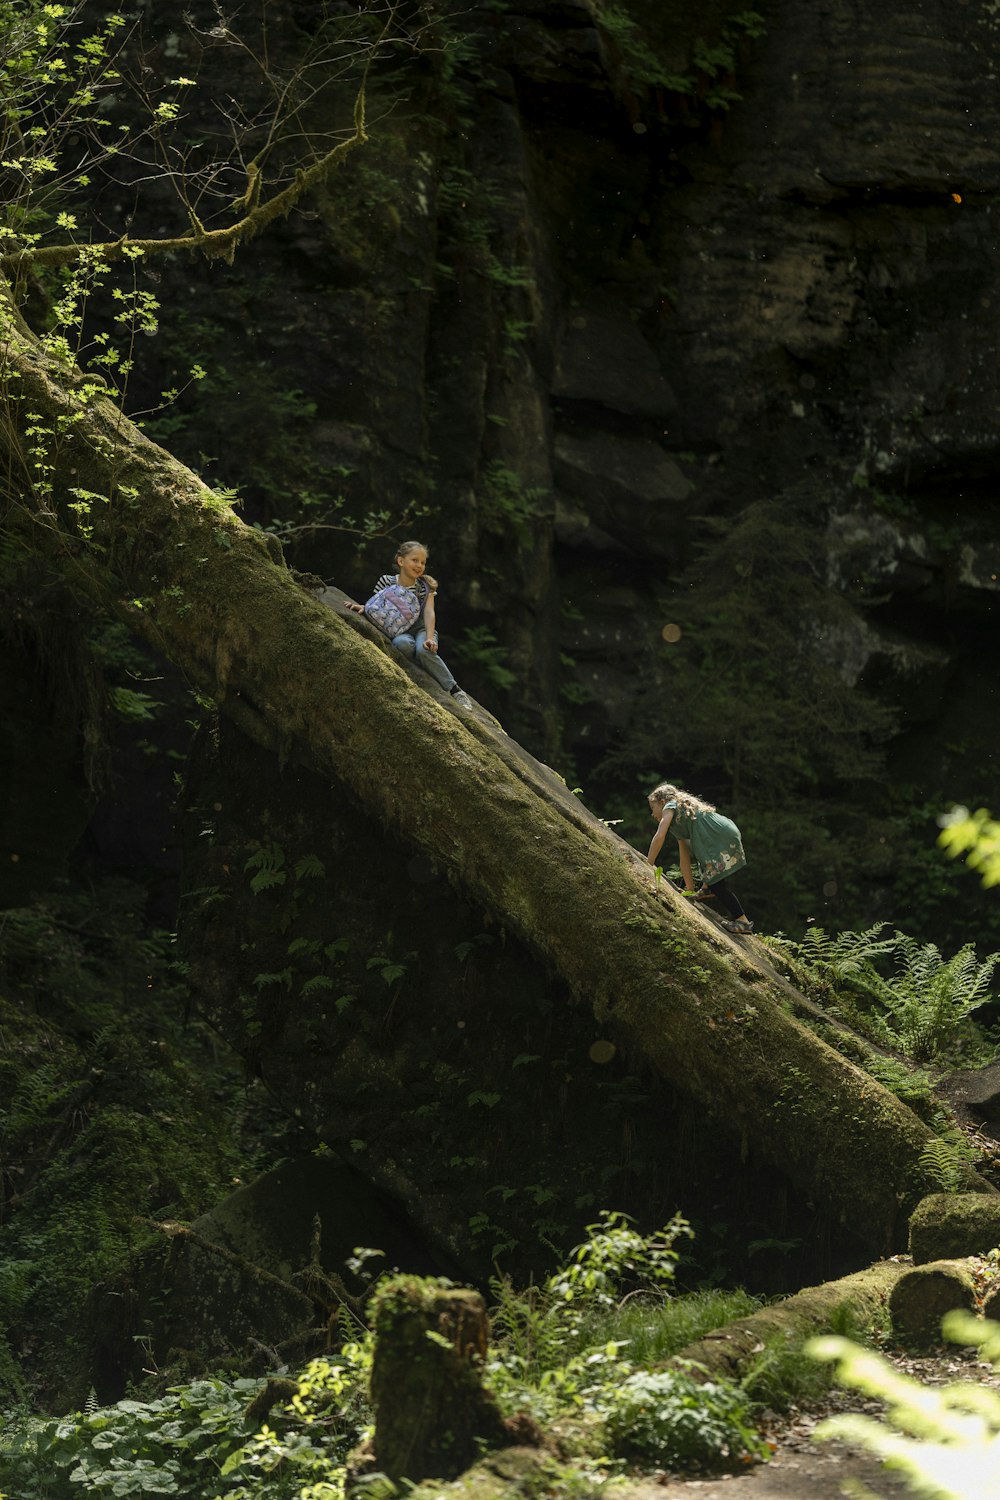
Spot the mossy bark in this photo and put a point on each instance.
(432, 1414)
(946, 1225)
(861, 1298)
(514, 1474)
(184, 573)
(920, 1299)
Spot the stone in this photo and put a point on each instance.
(618, 480)
(605, 360)
(270, 1262)
(974, 1093)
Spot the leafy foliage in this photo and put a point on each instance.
(671, 1418)
(543, 1326)
(711, 73)
(946, 1165)
(109, 1109)
(207, 1436)
(575, 1345)
(946, 1440)
(977, 836)
(921, 1008)
(198, 1439)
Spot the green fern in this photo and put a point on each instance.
(845, 958)
(931, 996)
(944, 1165)
(920, 1008)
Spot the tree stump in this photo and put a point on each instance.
(432, 1414)
(946, 1225)
(921, 1297)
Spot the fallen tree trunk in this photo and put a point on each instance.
(152, 545)
(863, 1298)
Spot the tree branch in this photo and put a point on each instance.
(215, 244)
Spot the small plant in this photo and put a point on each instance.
(977, 836)
(613, 1254)
(235, 1440)
(543, 1332)
(946, 1440)
(480, 648)
(921, 1008)
(506, 501)
(712, 65)
(674, 1420)
(947, 1165)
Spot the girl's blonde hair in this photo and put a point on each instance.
(405, 548)
(686, 801)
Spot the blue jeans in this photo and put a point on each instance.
(412, 647)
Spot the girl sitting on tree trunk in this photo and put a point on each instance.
(414, 634)
(714, 842)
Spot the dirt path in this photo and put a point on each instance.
(804, 1469)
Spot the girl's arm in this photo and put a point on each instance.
(684, 856)
(429, 619)
(653, 857)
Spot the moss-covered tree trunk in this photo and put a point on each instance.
(433, 1415)
(155, 548)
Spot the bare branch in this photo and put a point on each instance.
(216, 244)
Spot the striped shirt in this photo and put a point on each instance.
(420, 589)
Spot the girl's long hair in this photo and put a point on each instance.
(686, 801)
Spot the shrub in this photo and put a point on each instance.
(676, 1421)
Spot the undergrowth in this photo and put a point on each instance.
(112, 1110)
(899, 993)
(575, 1351)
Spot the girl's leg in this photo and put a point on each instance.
(431, 662)
(405, 644)
(728, 900)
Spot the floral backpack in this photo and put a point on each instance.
(393, 609)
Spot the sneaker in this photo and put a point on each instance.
(462, 699)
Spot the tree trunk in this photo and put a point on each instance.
(432, 1413)
(158, 550)
(730, 1351)
(922, 1297)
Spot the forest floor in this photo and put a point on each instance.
(805, 1469)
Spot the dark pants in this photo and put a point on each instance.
(729, 902)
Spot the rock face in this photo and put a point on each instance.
(567, 315)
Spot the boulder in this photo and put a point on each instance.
(973, 1093)
(270, 1263)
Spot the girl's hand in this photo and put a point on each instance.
(431, 646)
(356, 609)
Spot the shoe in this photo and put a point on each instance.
(742, 925)
(462, 699)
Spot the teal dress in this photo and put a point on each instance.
(716, 843)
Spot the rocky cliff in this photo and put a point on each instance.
(605, 282)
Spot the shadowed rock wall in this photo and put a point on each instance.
(580, 305)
